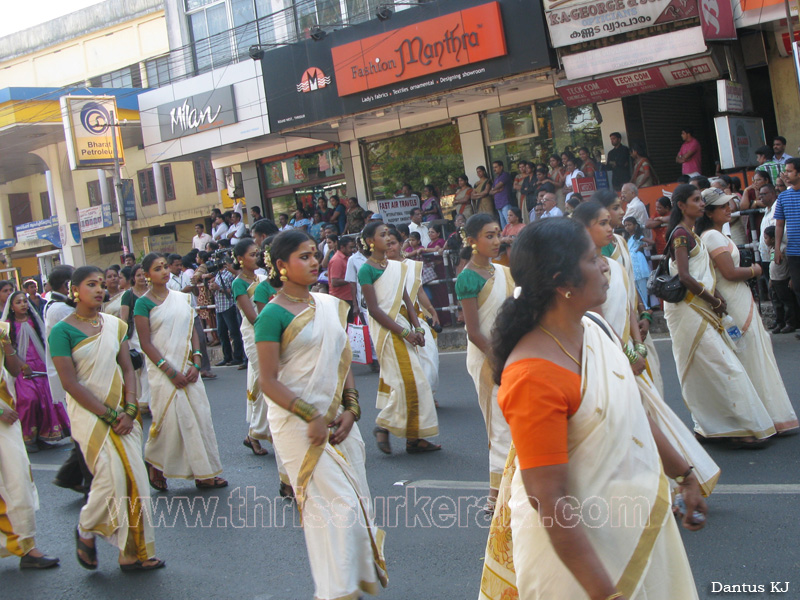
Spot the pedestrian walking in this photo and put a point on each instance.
(405, 399)
(482, 287)
(182, 443)
(304, 360)
(138, 288)
(92, 356)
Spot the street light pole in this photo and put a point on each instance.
(123, 221)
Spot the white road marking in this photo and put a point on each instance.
(740, 489)
(37, 467)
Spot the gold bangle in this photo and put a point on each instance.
(615, 595)
(752, 272)
(303, 409)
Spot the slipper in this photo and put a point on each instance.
(742, 444)
(257, 448)
(90, 552)
(208, 376)
(140, 566)
(286, 491)
(421, 446)
(160, 485)
(383, 446)
(217, 483)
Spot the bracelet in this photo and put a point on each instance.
(350, 392)
(109, 417)
(172, 374)
(303, 409)
(351, 405)
(131, 410)
(194, 365)
(419, 330)
(646, 315)
(14, 353)
(1, 412)
(197, 353)
(406, 332)
(718, 305)
(752, 272)
(614, 596)
(161, 362)
(631, 354)
(641, 349)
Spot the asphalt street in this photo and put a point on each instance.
(245, 542)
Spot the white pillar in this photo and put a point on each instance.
(357, 182)
(102, 177)
(51, 194)
(219, 175)
(473, 148)
(161, 194)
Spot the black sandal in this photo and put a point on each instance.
(384, 445)
(140, 566)
(160, 485)
(217, 483)
(286, 491)
(255, 446)
(421, 446)
(91, 552)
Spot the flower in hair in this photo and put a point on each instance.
(517, 292)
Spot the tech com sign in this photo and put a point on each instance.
(88, 124)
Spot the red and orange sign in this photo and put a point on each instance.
(450, 41)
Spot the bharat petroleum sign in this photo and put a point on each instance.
(420, 50)
(89, 128)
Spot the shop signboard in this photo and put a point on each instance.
(7, 243)
(128, 200)
(584, 186)
(396, 211)
(89, 128)
(716, 17)
(197, 113)
(576, 21)
(629, 83)
(46, 229)
(730, 96)
(94, 217)
(738, 138)
(433, 48)
(162, 244)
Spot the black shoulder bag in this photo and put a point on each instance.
(663, 285)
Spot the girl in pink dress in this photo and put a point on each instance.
(42, 420)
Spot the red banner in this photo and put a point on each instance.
(458, 39)
(717, 19)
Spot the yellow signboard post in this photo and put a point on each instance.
(90, 125)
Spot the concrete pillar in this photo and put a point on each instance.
(357, 182)
(252, 187)
(6, 230)
(51, 195)
(219, 175)
(161, 192)
(473, 148)
(63, 198)
(102, 177)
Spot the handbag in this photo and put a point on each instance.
(137, 358)
(360, 342)
(664, 286)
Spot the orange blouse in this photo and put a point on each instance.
(537, 398)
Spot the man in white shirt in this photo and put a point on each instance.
(236, 230)
(283, 222)
(174, 266)
(220, 229)
(416, 225)
(635, 207)
(200, 240)
(779, 148)
(550, 208)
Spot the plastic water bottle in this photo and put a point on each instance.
(680, 504)
(733, 331)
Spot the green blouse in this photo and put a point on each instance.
(264, 292)
(239, 288)
(272, 322)
(143, 307)
(469, 284)
(64, 337)
(368, 275)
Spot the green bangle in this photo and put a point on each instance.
(194, 365)
(405, 333)
(641, 350)
(172, 375)
(161, 362)
(419, 330)
(197, 353)
(646, 315)
(1, 412)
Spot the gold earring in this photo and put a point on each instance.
(568, 295)
(474, 248)
(372, 248)
(76, 297)
(283, 273)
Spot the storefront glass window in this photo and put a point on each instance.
(432, 156)
(512, 137)
(306, 177)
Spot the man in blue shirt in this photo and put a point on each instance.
(339, 217)
(787, 217)
(501, 190)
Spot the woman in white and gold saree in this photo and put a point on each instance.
(182, 442)
(429, 353)
(586, 453)
(715, 385)
(755, 350)
(313, 407)
(18, 496)
(137, 287)
(619, 312)
(114, 302)
(482, 288)
(404, 394)
(91, 354)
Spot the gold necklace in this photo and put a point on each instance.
(560, 345)
(93, 321)
(247, 277)
(489, 268)
(157, 297)
(309, 300)
(383, 264)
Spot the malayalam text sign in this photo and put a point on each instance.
(88, 124)
(94, 217)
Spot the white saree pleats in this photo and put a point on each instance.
(345, 547)
(755, 353)
(715, 385)
(182, 442)
(429, 353)
(118, 507)
(495, 291)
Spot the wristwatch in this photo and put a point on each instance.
(681, 478)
